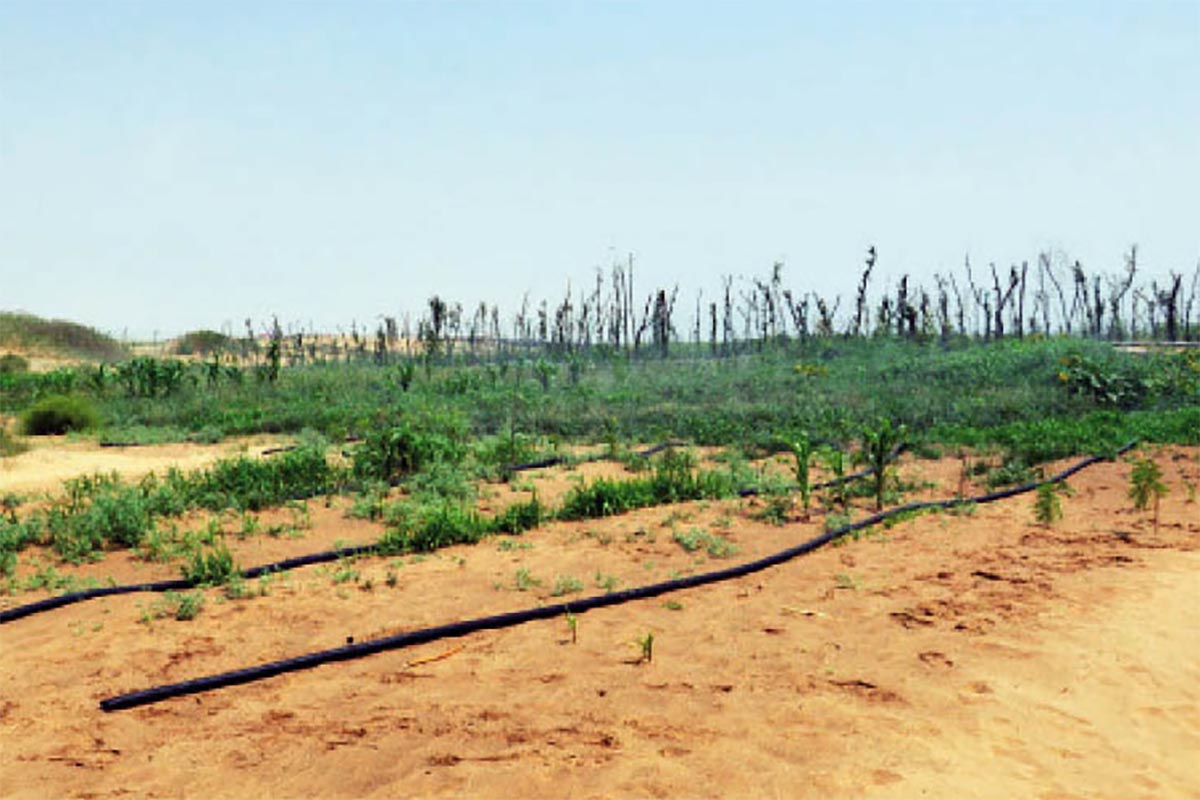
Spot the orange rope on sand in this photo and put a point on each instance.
(438, 657)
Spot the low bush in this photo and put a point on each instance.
(11, 363)
(59, 414)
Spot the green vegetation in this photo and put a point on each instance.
(211, 567)
(1146, 486)
(697, 539)
(1047, 508)
(58, 414)
(565, 584)
(202, 343)
(801, 449)
(646, 645)
(11, 363)
(99, 512)
(422, 424)
(182, 606)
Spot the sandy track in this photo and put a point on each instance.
(954, 656)
(52, 459)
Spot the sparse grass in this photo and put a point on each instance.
(565, 585)
(608, 583)
(524, 581)
(699, 539)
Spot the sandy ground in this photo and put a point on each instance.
(52, 459)
(972, 655)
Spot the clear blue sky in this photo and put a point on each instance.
(168, 166)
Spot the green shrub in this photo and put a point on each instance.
(59, 414)
(395, 452)
(12, 363)
(211, 567)
(422, 528)
(202, 342)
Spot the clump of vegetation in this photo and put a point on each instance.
(878, 444)
(392, 453)
(802, 453)
(673, 480)
(211, 567)
(183, 606)
(202, 343)
(1047, 508)
(524, 581)
(714, 544)
(565, 584)
(776, 508)
(11, 363)
(59, 414)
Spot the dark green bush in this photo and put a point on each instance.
(202, 342)
(394, 452)
(11, 363)
(210, 568)
(59, 414)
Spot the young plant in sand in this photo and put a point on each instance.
(1146, 486)
(1047, 509)
(878, 444)
(573, 626)
(646, 644)
(802, 453)
(835, 462)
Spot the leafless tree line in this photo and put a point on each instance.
(1051, 296)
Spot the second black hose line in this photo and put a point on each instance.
(179, 584)
(513, 618)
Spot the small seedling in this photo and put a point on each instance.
(802, 452)
(524, 581)
(1047, 509)
(1146, 486)
(673, 605)
(646, 643)
(845, 581)
(608, 583)
(573, 625)
(566, 585)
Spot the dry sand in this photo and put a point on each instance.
(52, 459)
(977, 655)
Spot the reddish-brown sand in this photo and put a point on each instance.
(972, 655)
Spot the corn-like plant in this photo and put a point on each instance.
(878, 442)
(802, 452)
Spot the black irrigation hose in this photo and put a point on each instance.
(513, 618)
(50, 603)
(179, 584)
(554, 461)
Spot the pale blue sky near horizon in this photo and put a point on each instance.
(171, 166)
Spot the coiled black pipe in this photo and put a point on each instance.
(457, 629)
(51, 603)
